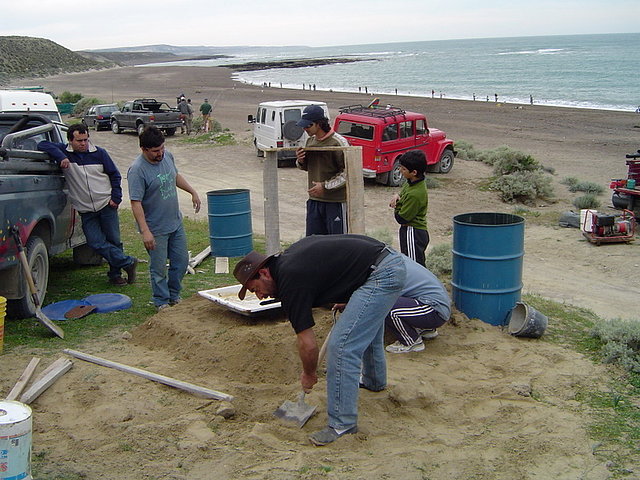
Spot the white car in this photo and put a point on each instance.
(275, 127)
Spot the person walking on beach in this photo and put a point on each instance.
(326, 206)
(361, 273)
(189, 119)
(95, 192)
(153, 181)
(410, 206)
(205, 110)
(496, 95)
(424, 306)
(183, 108)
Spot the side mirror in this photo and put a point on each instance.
(250, 119)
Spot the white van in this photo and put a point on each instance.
(275, 127)
(19, 101)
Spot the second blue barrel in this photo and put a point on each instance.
(488, 251)
(230, 231)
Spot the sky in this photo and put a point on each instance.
(90, 25)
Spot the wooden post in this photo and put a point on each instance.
(355, 190)
(271, 207)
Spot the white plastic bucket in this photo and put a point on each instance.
(15, 441)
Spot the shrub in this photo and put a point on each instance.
(68, 97)
(512, 161)
(85, 103)
(465, 151)
(523, 187)
(490, 156)
(621, 340)
(586, 201)
(440, 260)
(569, 181)
(587, 187)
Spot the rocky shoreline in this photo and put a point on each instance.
(306, 62)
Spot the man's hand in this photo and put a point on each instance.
(300, 154)
(338, 307)
(148, 240)
(113, 204)
(195, 199)
(308, 381)
(394, 200)
(64, 163)
(317, 190)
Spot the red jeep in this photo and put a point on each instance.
(385, 133)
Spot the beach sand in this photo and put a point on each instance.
(477, 403)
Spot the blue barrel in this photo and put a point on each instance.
(230, 230)
(488, 250)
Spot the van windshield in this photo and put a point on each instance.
(356, 130)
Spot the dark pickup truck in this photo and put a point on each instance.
(34, 199)
(137, 114)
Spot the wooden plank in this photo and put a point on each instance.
(222, 265)
(46, 379)
(24, 378)
(271, 207)
(189, 387)
(355, 190)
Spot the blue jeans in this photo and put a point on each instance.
(102, 231)
(166, 286)
(357, 341)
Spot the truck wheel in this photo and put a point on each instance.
(169, 132)
(446, 162)
(140, 128)
(259, 153)
(619, 201)
(395, 177)
(38, 259)
(115, 127)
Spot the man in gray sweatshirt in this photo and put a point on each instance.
(95, 192)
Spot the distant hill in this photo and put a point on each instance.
(38, 57)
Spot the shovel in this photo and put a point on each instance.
(299, 412)
(32, 287)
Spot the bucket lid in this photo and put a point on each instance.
(12, 412)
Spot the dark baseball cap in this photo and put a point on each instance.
(311, 114)
(247, 268)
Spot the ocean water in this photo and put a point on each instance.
(584, 71)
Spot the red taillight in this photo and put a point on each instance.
(279, 144)
(100, 117)
(152, 118)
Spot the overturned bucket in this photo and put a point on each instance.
(526, 321)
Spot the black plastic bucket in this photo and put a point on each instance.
(526, 321)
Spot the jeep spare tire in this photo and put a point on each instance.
(291, 131)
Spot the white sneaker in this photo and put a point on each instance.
(428, 333)
(398, 347)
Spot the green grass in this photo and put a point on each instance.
(615, 418)
(70, 281)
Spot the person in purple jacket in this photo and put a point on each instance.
(94, 188)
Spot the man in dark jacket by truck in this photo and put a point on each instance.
(95, 192)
